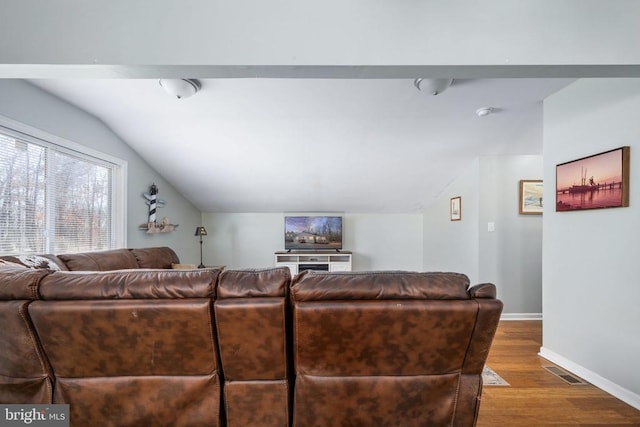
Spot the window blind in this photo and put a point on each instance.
(53, 200)
(22, 197)
(80, 204)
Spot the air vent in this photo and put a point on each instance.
(565, 376)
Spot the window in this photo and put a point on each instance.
(56, 200)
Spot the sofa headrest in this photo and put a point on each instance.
(19, 282)
(483, 290)
(318, 286)
(129, 284)
(116, 259)
(161, 257)
(271, 282)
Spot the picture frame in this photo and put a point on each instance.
(531, 193)
(455, 209)
(598, 181)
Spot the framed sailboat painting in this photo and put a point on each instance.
(594, 182)
(531, 191)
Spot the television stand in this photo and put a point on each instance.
(316, 260)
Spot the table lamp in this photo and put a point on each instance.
(201, 231)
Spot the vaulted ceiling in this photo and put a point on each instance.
(312, 107)
(307, 144)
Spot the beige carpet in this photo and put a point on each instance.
(491, 378)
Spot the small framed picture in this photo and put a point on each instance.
(531, 197)
(456, 209)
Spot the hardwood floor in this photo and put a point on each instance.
(536, 397)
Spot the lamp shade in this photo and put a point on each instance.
(180, 88)
(200, 231)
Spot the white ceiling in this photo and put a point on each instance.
(315, 145)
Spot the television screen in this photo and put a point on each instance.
(312, 232)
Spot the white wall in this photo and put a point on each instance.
(510, 256)
(378, 242)
(453, 245)
(31, 106)
(384, 242)
(591, 274)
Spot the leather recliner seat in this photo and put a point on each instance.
(251, 318)
(127, 341)
(390, 348)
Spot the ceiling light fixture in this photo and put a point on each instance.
(180, 88)
(484, 111)
(432, 86)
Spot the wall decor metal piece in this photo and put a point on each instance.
(152, 226)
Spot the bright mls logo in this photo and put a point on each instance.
(35, 415)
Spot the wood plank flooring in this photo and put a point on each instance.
(536, 397)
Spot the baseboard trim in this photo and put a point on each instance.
(521, 316)
(602, 383)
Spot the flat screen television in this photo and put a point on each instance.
(312, 232)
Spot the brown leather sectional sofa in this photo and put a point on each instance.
(127, 341)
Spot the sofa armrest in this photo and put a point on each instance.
(488, 317)
(17, 282)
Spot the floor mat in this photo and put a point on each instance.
(490, 378)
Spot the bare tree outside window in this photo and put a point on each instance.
(52, 201)
(22, 197)
(82, 207)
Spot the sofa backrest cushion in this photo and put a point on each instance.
(132, 362)
(160, 257)
(129, 284)
(316, 286)
(102, 338)
(116, 259)
(382, 338)
(252, 328)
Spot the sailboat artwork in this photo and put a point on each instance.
(531, 197)
(584, 186)
(603, 182)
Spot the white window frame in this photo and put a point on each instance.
(33, 135)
